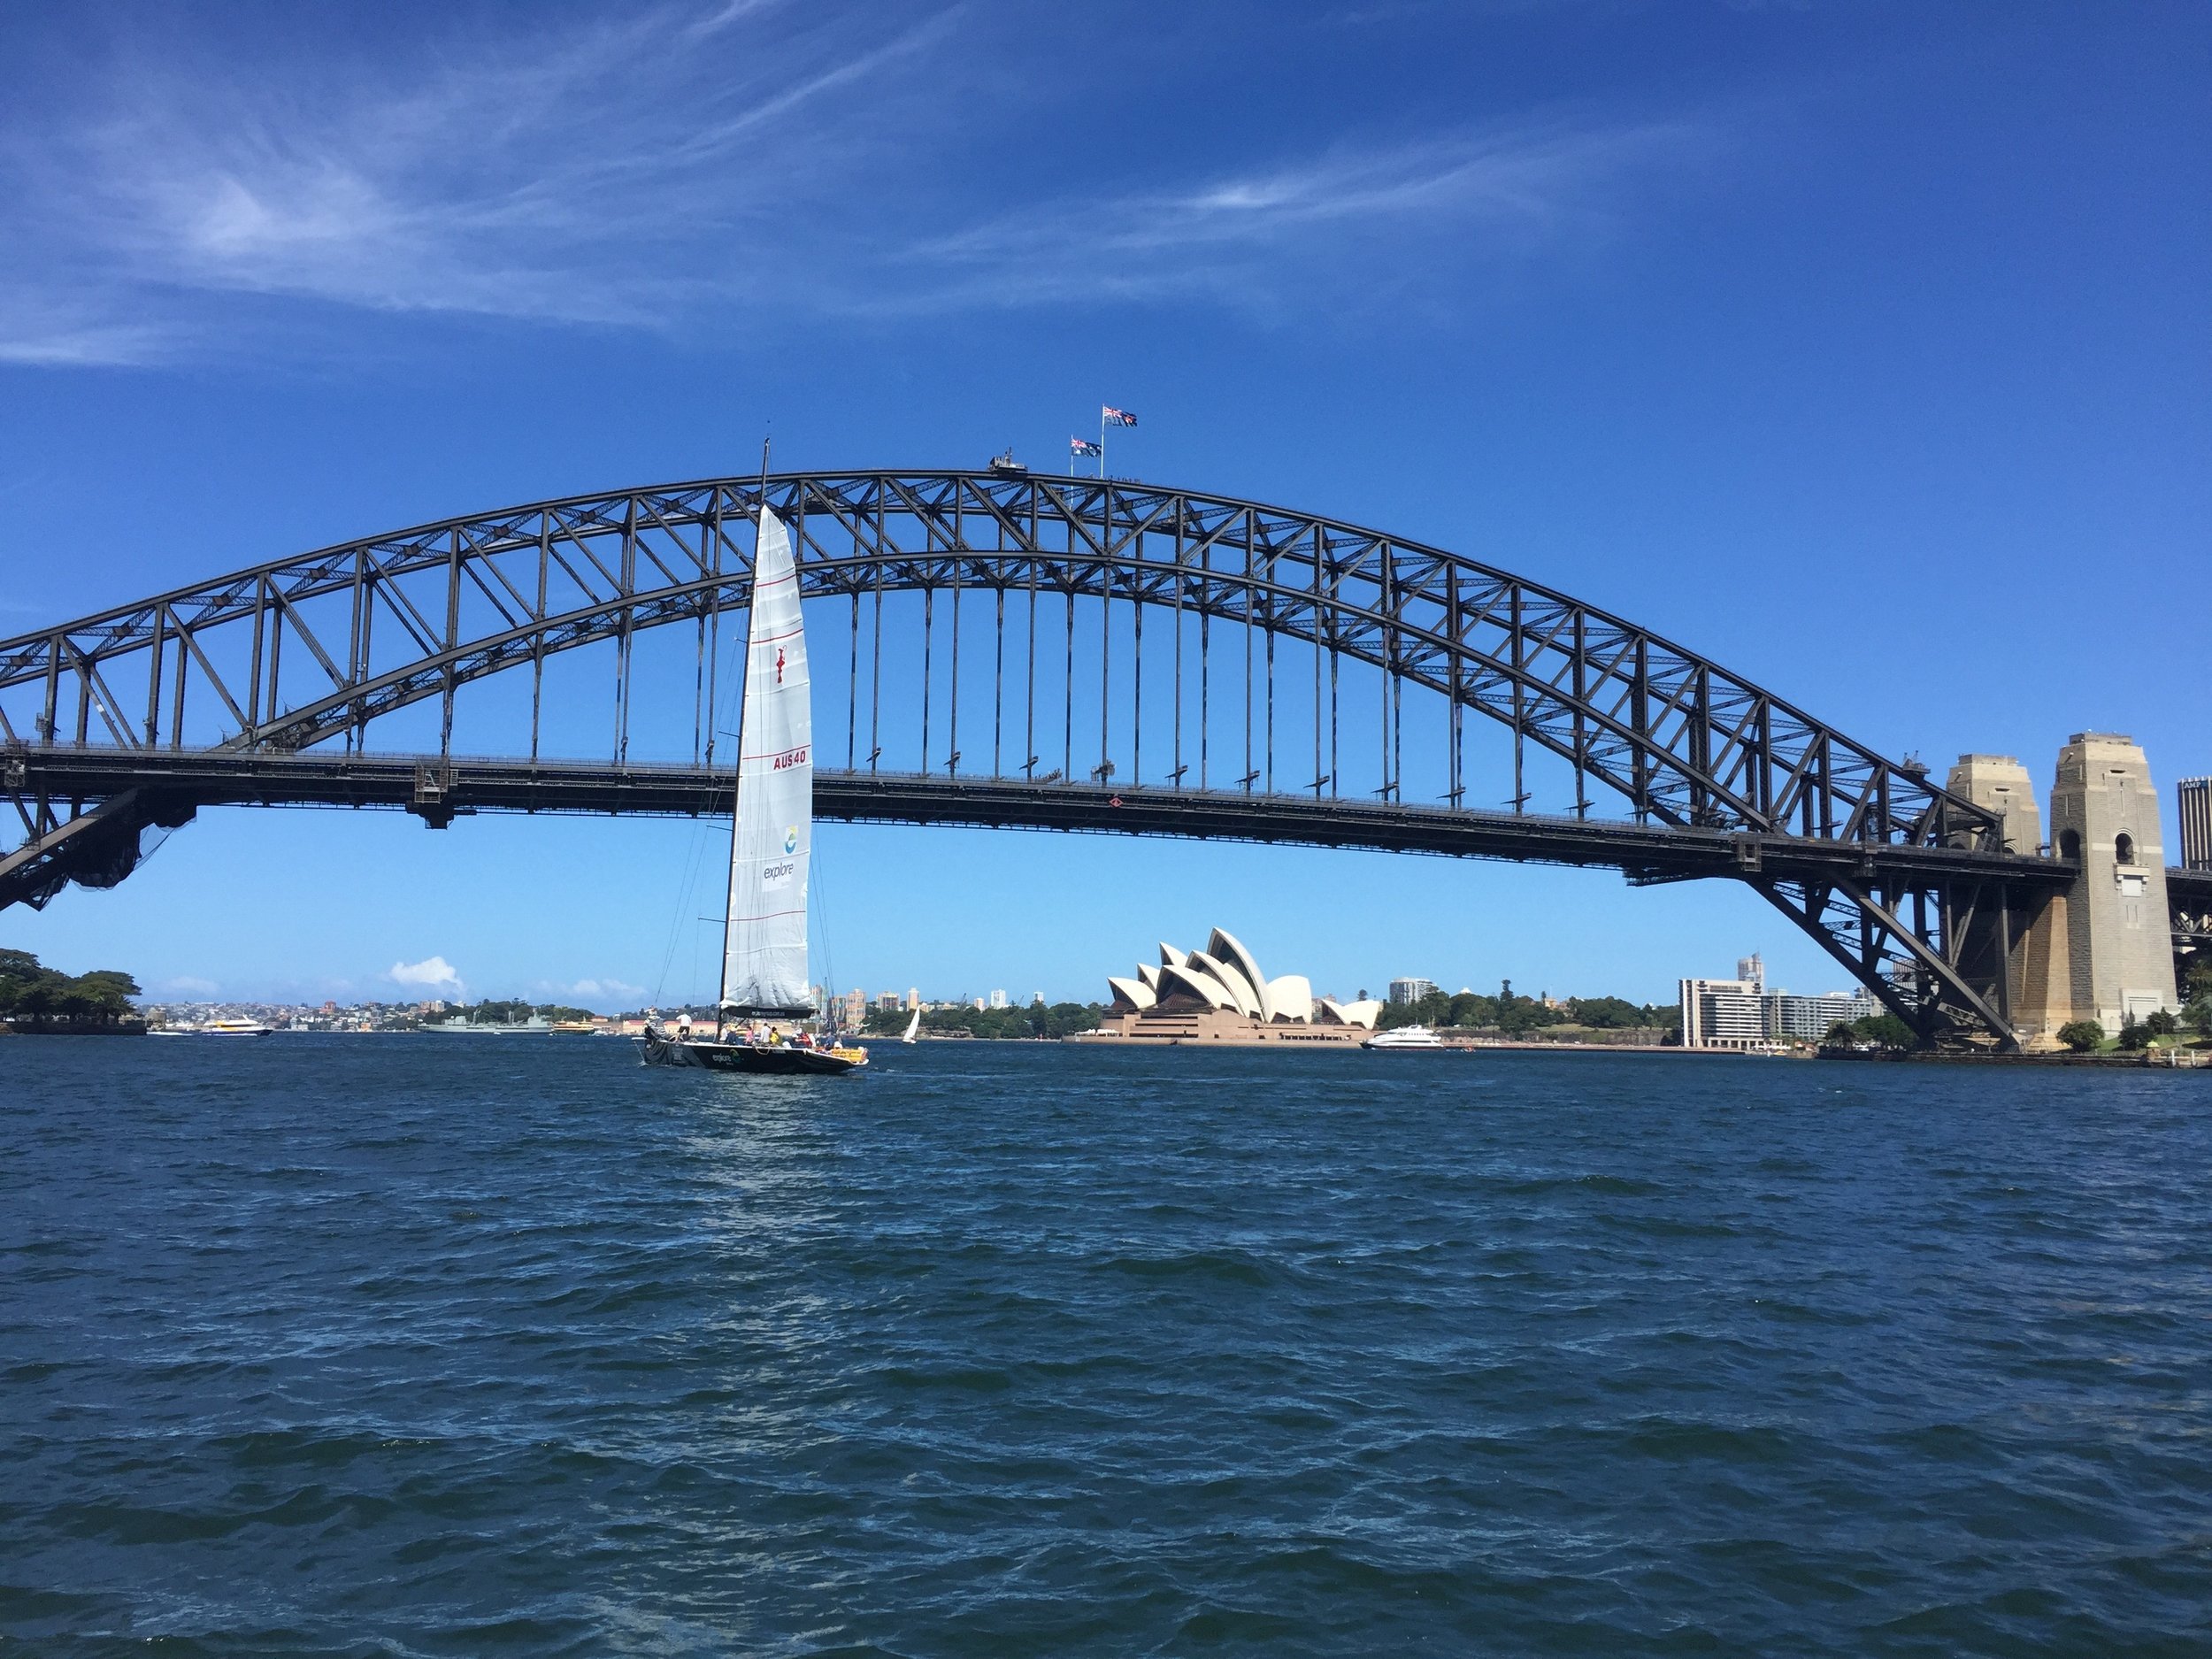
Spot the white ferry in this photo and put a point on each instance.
(216, 1028)
(1404, 1037)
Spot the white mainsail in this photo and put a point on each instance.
(763, 971)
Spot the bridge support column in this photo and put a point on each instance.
(2026, 932)
(2045, 998)
(2105, 822)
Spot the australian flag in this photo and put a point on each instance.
(1119, 417)
(1083, 446)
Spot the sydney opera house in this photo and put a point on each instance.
(1219, 995)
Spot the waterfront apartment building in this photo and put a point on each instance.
(2196, 822)
(1741, 1013)
(998, 999)
(1722, 1014)
(1411, 990)
(888, 1002)
(1810, 1018)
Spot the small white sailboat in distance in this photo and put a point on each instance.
(765, 991)
(912, 1026)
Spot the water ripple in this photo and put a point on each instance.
(405, 1347)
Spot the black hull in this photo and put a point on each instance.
(763, 1059)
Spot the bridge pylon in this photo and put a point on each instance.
(2105, 823)
(2101, 948)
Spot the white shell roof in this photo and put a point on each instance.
(1224, 947)
(1226, 975)
(1201, 985)
(1291, 998)
(1239, 987)
(1136, 993)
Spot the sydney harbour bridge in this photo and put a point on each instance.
(1000, 649)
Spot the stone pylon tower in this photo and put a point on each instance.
(2039, 974)
(2000, 783)
(2104, 820)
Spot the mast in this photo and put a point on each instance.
(737, 774)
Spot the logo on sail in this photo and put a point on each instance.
(791, 838)
(774, 876)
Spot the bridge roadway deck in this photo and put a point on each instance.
(438, 788)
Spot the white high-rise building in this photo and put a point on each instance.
(1741, 1012)
(913, 999)
(1036, 999)
(998, 999)
(1811, 1017)
(1411, 990)
(1723, 1013)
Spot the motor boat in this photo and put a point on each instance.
(1404, 1037)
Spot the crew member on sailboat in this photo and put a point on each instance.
(764, 955)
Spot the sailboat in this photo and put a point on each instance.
(764, 993)
(913, 1025)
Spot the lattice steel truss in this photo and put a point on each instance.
(306, 653)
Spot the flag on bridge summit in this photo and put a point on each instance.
(1119, 416)
(1083, 446)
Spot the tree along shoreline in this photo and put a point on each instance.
(1525, 1017)
(1032, 1024)
(39, 1001)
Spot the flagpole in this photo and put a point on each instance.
(1102, 440)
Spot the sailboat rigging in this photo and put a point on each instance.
(764, 991)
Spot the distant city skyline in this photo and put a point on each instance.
(1819, 339)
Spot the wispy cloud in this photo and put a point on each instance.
(1505, 189)
(48, 330)
(187, 984)
(606, 178)
(687, 166)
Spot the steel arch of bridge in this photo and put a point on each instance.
(1903, 883)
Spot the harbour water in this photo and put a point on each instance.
(403, 1346)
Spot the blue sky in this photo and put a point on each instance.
(1860, 346)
